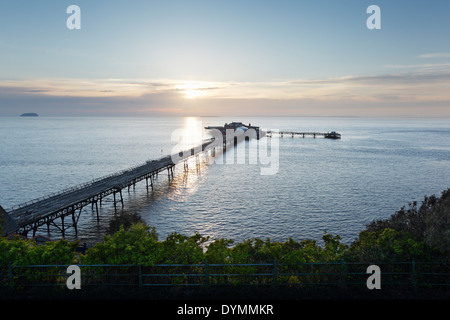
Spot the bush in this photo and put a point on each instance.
(428, 223)
(180, 249)
(387, 245)
(27, 252)
(138, 245)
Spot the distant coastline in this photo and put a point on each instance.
(29, 114)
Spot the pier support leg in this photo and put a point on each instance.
(121, 198)
(74, 221)
(170, 172)
(115, 201)
(96, 209)
(62, 226)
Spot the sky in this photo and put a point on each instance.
(220, 58)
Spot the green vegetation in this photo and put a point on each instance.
(20, 251)
(428, 224)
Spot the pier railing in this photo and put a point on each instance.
(75, 187)
(410, 275)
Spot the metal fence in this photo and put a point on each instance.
(412, 275)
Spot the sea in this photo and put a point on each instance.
(273, 188)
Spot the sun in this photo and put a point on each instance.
(192, 90)
(193, 93)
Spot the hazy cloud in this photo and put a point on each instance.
(426, 85)
(435, 55)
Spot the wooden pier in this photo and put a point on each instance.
(69, 203)
(327, 135)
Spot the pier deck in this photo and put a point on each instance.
(44, 211)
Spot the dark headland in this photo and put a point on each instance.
(29, 114)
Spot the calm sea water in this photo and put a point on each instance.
(339, 186)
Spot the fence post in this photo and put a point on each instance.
(275, 272)
(11, 276)
(206, 273)
(140, 276)
(344, 273)
(414, 275)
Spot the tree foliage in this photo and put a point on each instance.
(138, 245)
(27, 252)
(428, 223)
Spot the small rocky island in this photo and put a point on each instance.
(29, 114)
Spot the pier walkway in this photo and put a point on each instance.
(29, 216)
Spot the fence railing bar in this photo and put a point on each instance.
(173, 275)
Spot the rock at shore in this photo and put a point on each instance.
(30, 114)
